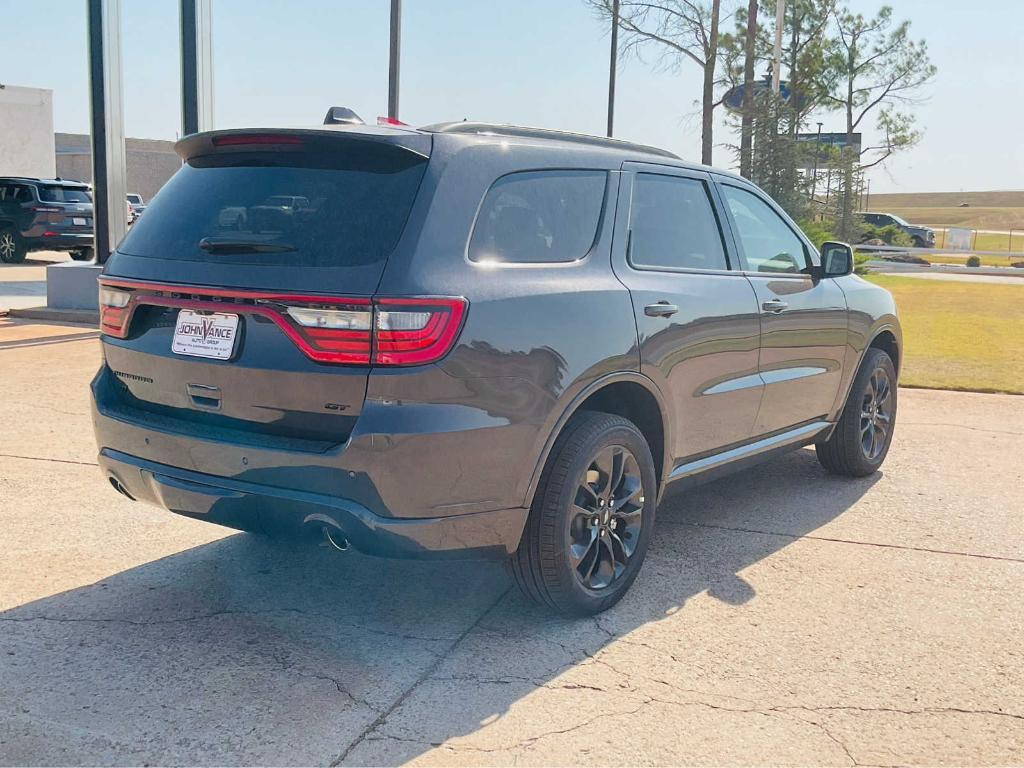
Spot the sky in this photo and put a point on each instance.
(530, 62)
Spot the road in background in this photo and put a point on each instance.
(24, 285)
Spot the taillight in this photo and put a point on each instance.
(338, 333)
(328, 329)
(114, 311)
(388, 332)
(416, 331)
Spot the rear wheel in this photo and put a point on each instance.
(591, 519)
(859, 443)
(12, 250)
(82, 254)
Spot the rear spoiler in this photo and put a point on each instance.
(300, 140)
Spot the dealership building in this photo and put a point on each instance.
(29, 146)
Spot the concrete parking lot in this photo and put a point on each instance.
(783, 616)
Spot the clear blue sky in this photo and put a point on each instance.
(535, 62)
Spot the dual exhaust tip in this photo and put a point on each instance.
(335, 539)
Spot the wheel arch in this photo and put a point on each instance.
(885, 339)
(630, 395)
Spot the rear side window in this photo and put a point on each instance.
(342, 208)
(673, 225)
(539, 217)
(57, 194)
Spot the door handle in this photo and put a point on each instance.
(661, 309)
(775, 305)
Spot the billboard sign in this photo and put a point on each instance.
(827, 143)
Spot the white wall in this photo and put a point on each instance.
(26, 132)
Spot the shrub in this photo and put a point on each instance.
(890, 235)
(974, 261)
(818, 231)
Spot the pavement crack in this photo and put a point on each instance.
(961, 426)
(44, 458)
(227, 612)
(833, 540)
(383, 716)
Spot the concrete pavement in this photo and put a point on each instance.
(783, 616)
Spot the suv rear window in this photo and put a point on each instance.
(342, 208)
(55, 193)
(539, 217)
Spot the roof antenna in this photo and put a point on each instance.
(342, 116)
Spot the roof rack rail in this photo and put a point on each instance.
(498, 129)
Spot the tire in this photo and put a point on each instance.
(918, 242)
(12, 249)
(860, 441)
(576, 559)
(82, 254)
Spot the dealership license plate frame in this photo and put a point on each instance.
(205, 335)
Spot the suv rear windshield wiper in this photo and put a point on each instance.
(217, 245)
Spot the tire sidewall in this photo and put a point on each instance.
(582, 599)
(875, 358)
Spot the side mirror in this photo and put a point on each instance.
(836, 259)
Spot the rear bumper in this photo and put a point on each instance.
(63, 241)
(287, 512)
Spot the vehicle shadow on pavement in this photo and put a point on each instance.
(249, 651)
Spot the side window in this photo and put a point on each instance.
(23, 194)
(539, 217)
(768, 243)
(672, 225)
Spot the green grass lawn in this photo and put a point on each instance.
(960, 335)
(987, 260)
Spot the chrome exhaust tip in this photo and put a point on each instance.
(335, 539)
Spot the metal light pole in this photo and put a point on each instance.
(828, 173)
(394, 58)
(107, 126)
(196, 66)
(817, 151)
(613, 66)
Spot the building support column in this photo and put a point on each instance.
(109, 179)
(196, 66)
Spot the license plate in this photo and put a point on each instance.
(205, 334)
(79, 221)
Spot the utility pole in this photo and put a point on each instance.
(394, 57)
(780, 20)
(612, 66)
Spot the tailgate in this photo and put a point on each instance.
(242, 246)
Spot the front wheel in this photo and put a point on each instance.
(860, 441)
(591, 518)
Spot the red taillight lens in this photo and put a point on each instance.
(328, 329)
(335, 333)
(241, 139)
(416, 331)
(115, 311)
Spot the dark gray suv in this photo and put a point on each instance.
(473, 340)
